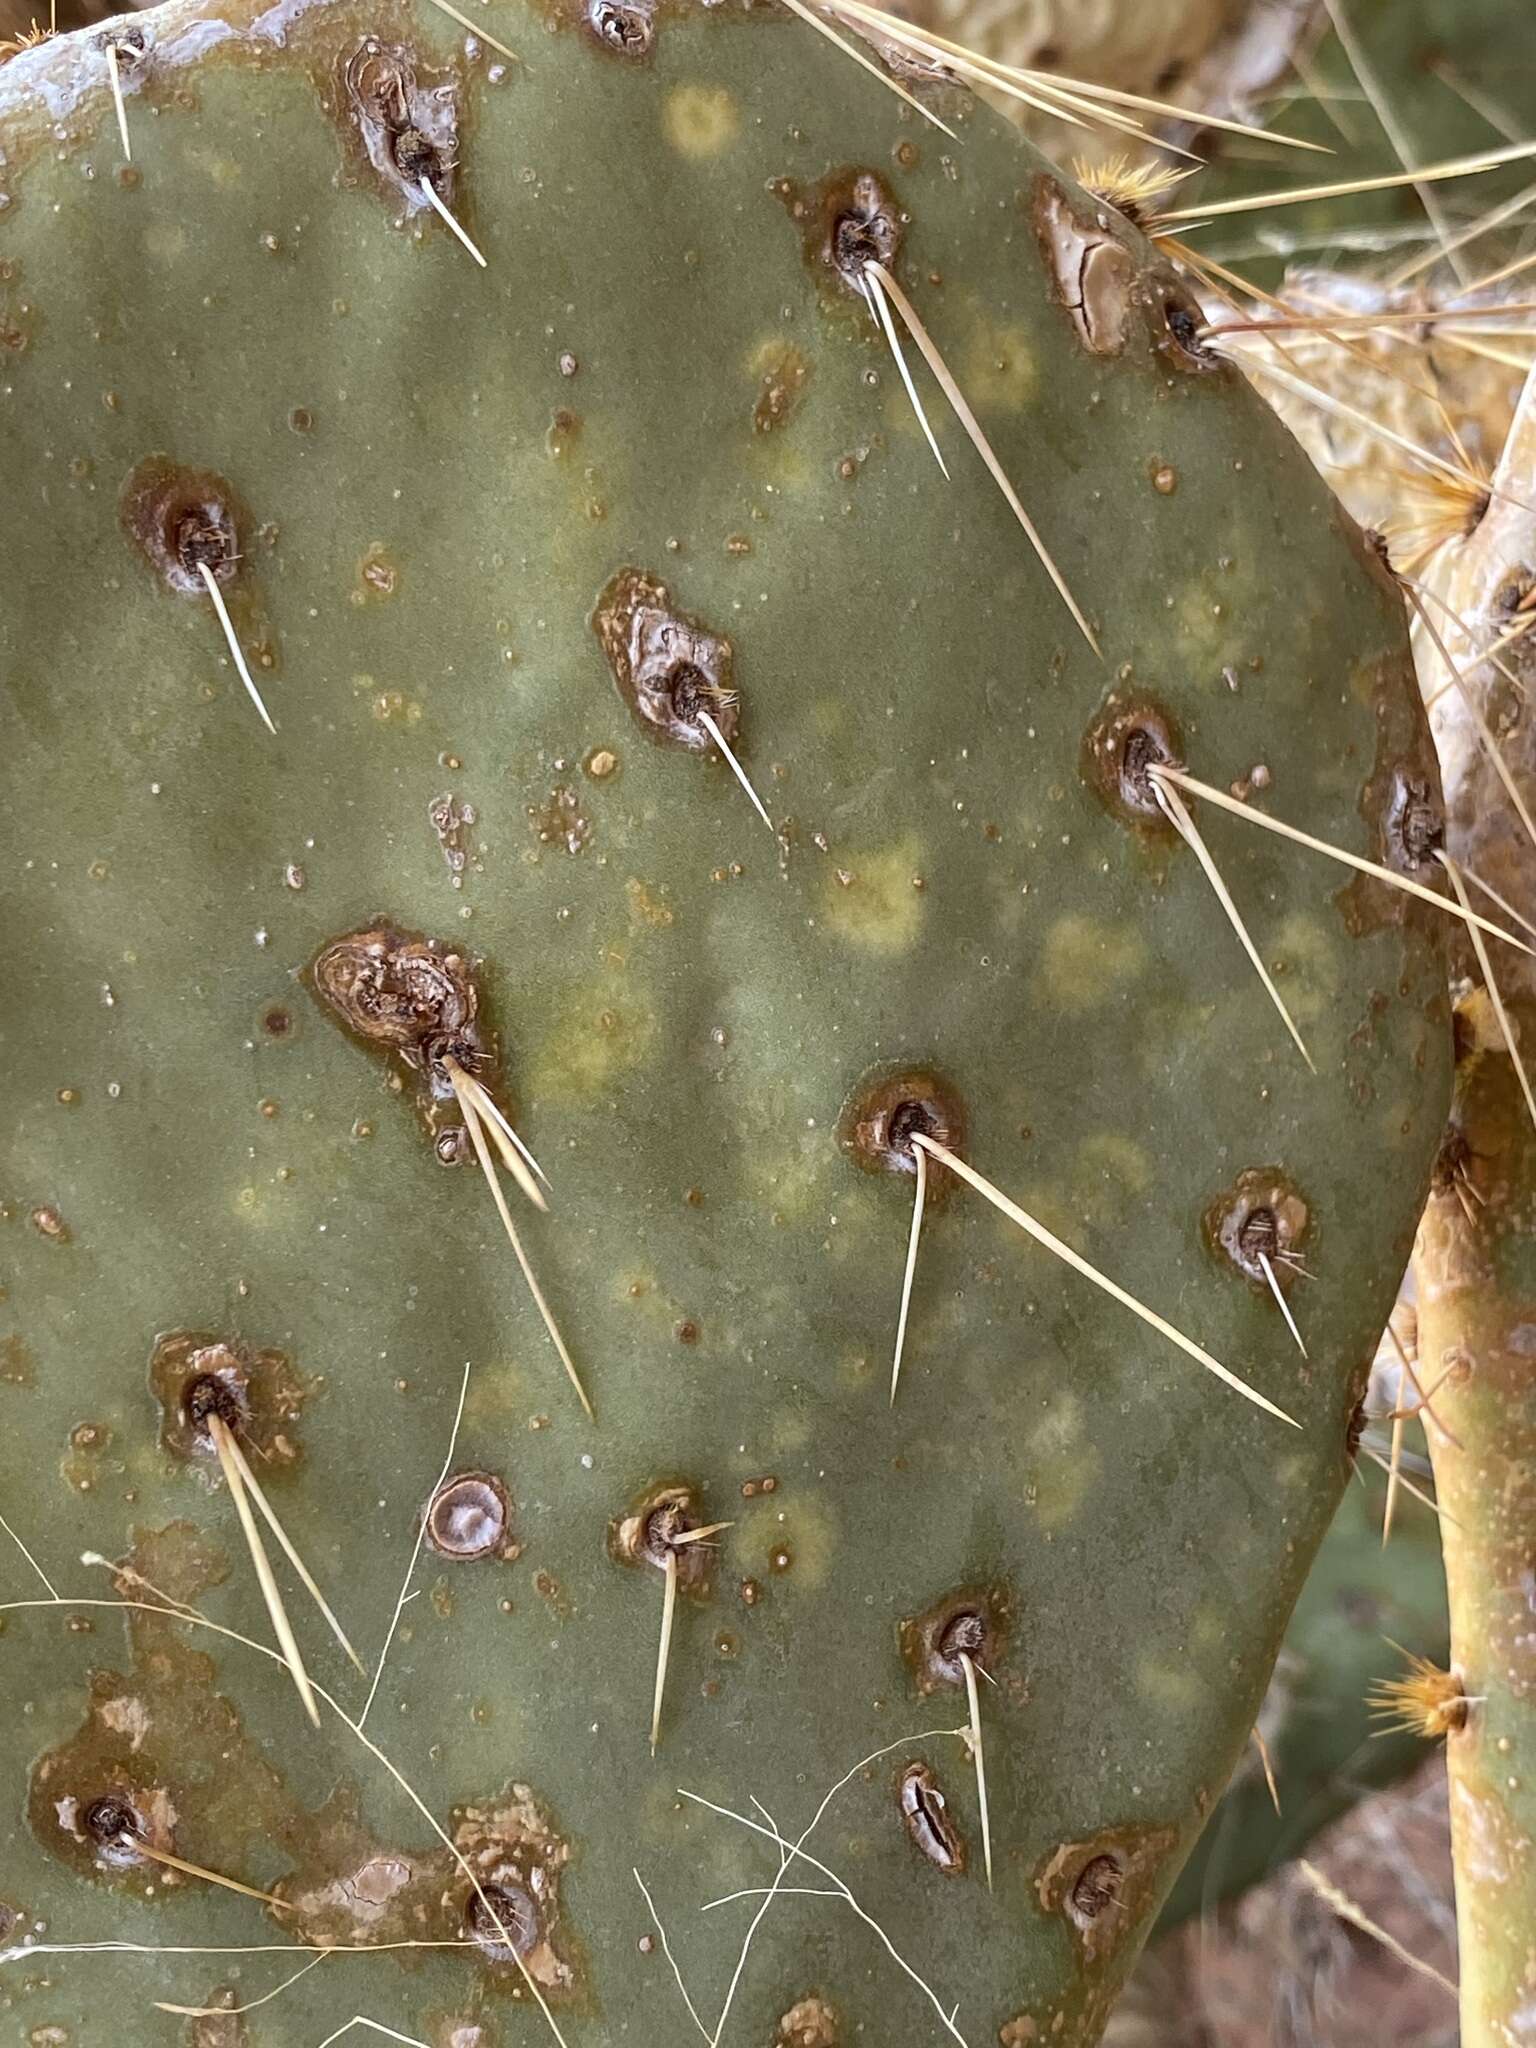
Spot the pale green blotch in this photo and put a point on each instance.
(1087, 960)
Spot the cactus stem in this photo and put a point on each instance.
(1091, 1272)
(1346, 1909)
(870, 286)
(440, 206)
(282, 1628)
(962, 411)
(664, 1648)
(269, 1515)
(1506, 1030)
(712, 727)
(978, 1757)
(1177, 812)
(1158, 770)
(488, 1168)
(117, 100)
(920, 1161)
(1280, 1301)
(480, 34)
(1484, 730)
(515, 1156)
(211, 585)
(31, 1560)
(1256, 1734)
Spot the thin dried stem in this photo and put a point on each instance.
(979, 441)
(979, 1758)
(210, 583)
(270, 1517)
(281, 1626)
(1178, 813)
(1081, 1265)
(1262, 1746)
(483, 35)
(1346, 1909)
(210, 2012)
(230, 1884)
(1223, 801)
(31, 1560)
(920, 1161)
(421, 1537)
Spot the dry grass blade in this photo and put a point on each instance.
(210, 583)
(1223, 801)
(229, 2012)
(483, 35)
(979, 441)
(1346, 1909)
(1052, 1243)
(270, 1518)
(1177, 812)
(1262, 1747)
(230, 1884)
(1298, 195)
(282, 1628)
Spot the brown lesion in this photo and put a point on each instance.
(399, 118)
(517, 1853)
(1091, 270)
(414, 1002)
(1103, 1887)
(654, 1529)
(929, 1823)
(846, 219)
(1131, 734)
(182, 519)
(887, 1111)
(1402, 805)
(256, 1392)
(1261, 1216)
(668, 666)
(160, 1756)
(972, 1621)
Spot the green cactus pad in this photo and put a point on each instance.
(493, 542)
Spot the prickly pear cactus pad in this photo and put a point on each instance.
(511, 554)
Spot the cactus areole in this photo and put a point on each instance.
(534, 568)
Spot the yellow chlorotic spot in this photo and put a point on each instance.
(1204, 612)
(1174, 1687)
(165, 242)
(1063, 1484)
(646, 907)
(1087, 961)
(997, 372)
(868, 899)
(595, 1040)
(700, 119)
(1111, 1170)
(1304, 958)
